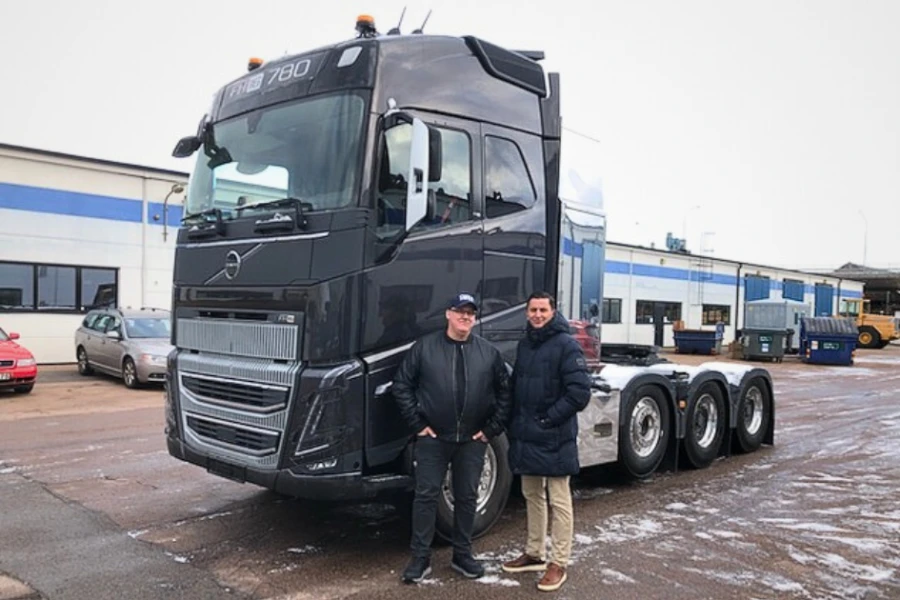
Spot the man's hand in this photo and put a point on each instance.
(480, 437)
(427, 431)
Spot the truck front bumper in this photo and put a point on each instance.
(343, 486)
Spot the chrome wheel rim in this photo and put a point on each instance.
(487, 483)
(753, 410)
(706, 420)
(646, 427)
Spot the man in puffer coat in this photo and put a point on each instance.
(550, 386)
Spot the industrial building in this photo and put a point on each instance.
(77, 232)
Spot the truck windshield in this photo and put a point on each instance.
(308, 149)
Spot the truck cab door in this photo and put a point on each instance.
(514, 242)
(420, 268)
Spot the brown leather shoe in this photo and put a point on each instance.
(552, 579)
(524, 564)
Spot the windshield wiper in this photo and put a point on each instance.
(216, 227)
(280, 221)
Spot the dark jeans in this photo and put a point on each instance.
(432, 458)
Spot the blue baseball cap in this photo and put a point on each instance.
(463, 299)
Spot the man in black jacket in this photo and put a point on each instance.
(550, 386)
(453, 392)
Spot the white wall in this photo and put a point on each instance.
(114, 228)
(634, 274)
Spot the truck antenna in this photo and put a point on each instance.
(422, 28)
(396, 30)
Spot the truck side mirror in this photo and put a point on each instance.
(186, 146)
(418, 178)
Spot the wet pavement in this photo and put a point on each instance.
(83, 464)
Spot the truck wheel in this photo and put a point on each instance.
(754, 412)
(645, 431)
(493, 492)
(868, 337)
(84, 367)
(705, 426)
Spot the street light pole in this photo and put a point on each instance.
(865, 235)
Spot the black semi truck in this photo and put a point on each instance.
(339, 198)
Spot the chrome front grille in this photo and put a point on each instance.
(235, 409)
(239, 338)
(257, 442)
(7, 363)
(236, 394)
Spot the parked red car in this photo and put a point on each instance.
(18, 369)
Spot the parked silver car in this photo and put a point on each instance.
(131, 344)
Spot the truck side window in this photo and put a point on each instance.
(507, 185)
(453, 193)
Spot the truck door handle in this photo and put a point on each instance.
(383, 389)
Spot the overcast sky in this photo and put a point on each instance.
(772, 125)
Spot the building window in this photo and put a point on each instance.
(16, 287)
(507, 185)
(792, 289)
(716, 313)
(645, 310)
(612, 310)
(56, 288)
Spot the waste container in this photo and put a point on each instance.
(698, 341)
(777, 314)
(828, 340)
(763, 344)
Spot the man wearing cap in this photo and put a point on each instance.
(452, 390)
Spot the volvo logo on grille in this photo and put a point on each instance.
(232, 264)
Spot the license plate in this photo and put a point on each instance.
(229, 471)
(5, 376)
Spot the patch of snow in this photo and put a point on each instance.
(616, 576)
(308, 549)
(496, 580)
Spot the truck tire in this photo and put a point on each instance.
(493, 492)
(645, 430)
(754, 413)
(868, 337)
(705, 426)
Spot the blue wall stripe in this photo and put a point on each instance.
(78, 204)
(23, 197)
(156, 208)
(61, 202)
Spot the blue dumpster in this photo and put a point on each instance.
(828, 340)
(698, 341)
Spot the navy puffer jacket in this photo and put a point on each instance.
(550, 386)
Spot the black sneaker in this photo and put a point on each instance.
(417, 570)
(467, 566)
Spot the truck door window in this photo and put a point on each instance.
(507, 185)
(452, 194)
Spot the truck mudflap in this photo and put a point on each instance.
(330, 487)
